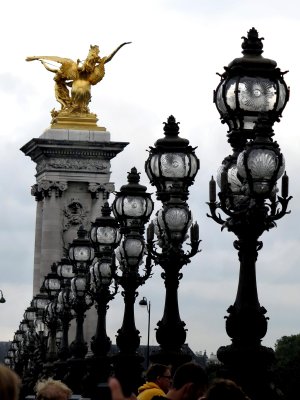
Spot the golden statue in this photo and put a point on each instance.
(79, 76)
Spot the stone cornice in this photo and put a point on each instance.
(39, 148)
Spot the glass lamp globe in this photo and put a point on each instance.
(14, 345)
(105, 232)
(132, 205)
(250, 86)
(24, 326)
(29, 314)
(261, 168)
(52, 281)
(101, 273)
(65, 269)
(81, 252)
(40, 301)
(131, 251)
(173, 222)
(172, 164)
(18, 335)
(79, 285)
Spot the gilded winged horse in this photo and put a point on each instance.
(79, 76)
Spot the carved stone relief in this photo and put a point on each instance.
(73, 164)
(74, 215)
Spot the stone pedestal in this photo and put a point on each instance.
(72, 182)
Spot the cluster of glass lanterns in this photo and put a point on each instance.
(250, 98)
(172, 166)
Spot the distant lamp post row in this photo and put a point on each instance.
(250, 98)
(114, 252)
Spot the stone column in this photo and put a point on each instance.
(72, 183)
(38, 237)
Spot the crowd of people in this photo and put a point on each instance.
(189, 382)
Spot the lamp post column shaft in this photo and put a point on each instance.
(148, 336)
(247, 287)
(101, 343)
(171, 308)
(128, 338)
(64, 348)
(79, 347)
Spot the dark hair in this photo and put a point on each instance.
(189, 373)
(225, 389)
(154, 371)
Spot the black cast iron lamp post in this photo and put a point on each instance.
(105, 236)
(40, 302)
(64, 306)
(248, 196)
(52, 322)
(81, 255)
(132, 208)
(52, 285)
(172, 166)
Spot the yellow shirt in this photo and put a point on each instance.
(149, 390)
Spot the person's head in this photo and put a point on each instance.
(189, 382)
(225, 389)
(10, 384)
(161, 375)
(50, 389)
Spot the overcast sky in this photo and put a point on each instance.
(170, 68)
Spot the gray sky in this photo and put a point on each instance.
(170, 68)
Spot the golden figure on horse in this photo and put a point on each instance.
(78, 76)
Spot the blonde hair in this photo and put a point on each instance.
(52, 389)
(10, 384)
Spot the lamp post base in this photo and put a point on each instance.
(95, 381)
(75, 374)
(249, 366)
(128, 370)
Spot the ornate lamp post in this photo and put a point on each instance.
(40, 302)
(52, 285)
(65, 315)
(132, 208)
(81, 254)
(171, 167)
(105, 237)
(64, 309)
(20, 336)
(250, 98)
(27, 326)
